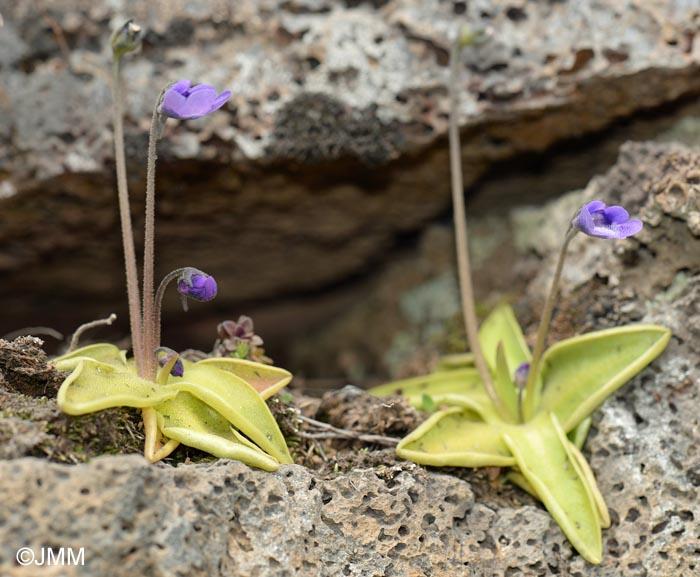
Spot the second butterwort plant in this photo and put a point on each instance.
(217, 404)
(506, 406)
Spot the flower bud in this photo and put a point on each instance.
(126, 39)
(471, 36)
(164, 355)
(521, 375)
(196, 285)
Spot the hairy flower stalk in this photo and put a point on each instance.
(149, 321)
(461, 237)
(126, 39)
(593, 219)
(181, 102)
(192, 283)
(531, 392)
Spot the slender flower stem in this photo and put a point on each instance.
(461, 237)
(531, 391)
(149, 247)
(159, 302)
(132, 280)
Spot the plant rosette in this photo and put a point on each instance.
(216, 405)
(541, 445)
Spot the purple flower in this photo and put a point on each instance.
(595, 219)
(165, 355)
(198, 286)
(181, 101)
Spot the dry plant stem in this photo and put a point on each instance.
(531, 392)
(32, 332)
(132, 280)
(58, 35)
(149, 248)
(336, 433)
(86, 327)
(461, 238)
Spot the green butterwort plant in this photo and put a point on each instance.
(216, 404)
(504, 406)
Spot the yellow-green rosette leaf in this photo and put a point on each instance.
(455, 361)
(101, 352)
(239, 403)
(581, 372)
(456, 437)
(502, 326)
(193, 423)
(457, 381)
(265, 379)
(541, 451)
(516, 477)
(503, 383)
(586, 474)
(579, 433)
(94, 386)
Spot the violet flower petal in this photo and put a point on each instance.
(595, 219)
(181, 86)
(595, 205)
(198, 103)
(584, 222)
(630, 228)
(220, 100)
(183, 101)
(616, 214)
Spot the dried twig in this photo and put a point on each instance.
(87, 326)
(33, 331)
(57, 33)
(331, 432)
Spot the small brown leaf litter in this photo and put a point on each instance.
(32, 425)
(25, 369)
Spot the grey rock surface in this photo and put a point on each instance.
(226, 519)
(331, 149)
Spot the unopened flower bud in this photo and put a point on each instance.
(521, 375)
(470, 36)
(126, 38)
(164, 355)
(196, 285)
